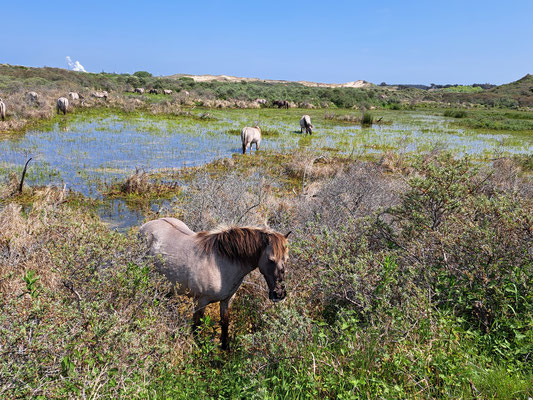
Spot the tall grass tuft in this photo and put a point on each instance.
(367, 119)
(455, 113)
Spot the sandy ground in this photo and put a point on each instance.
(204, 78)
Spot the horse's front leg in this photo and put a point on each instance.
(199, 312)
(224, 322)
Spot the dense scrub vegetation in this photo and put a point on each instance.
(408, 279)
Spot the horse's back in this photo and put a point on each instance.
(174, 245)
(166, 229)
(250, 135)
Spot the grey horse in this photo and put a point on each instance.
(100, 95)
(305, 123)
(250, 136)
(62, 105)
(2, 110)
(210, 266)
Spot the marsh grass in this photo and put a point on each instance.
(365, 119)
(264, 132)
(455, 113)
(499, 120)
(140, 186)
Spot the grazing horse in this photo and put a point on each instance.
(281, 103)
(2, 110)
(139, 90)
(305, 123)
(74, 95)
(33, 96)
(154, 91)
(167, 91)
(210, 266)
(100, 95)
(250, 136)
(62, 105)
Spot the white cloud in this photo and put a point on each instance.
(75, 65)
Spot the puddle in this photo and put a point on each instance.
(88, 155)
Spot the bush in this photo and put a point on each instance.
(142, 74)
(473, 249)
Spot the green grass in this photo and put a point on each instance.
(455, 113)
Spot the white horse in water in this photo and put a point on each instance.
(250, 136)
(210, 266)
(305, 123)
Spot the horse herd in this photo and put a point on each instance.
(62, 104)
(250, 136)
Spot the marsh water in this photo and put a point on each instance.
(87, 152)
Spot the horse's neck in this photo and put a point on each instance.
(239, 271)
(245, 268)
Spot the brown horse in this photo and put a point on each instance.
(281, 103)
(210, 266)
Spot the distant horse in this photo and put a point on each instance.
(74, 95)
(33, 96)
(281, 103)
(62, 105)
(154, 91)
(305, 123)
(139, 90)
(210, 266)
(2, 110)
(250, 136)
(100, 95)
(167, 91)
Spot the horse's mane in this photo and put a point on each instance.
(243, 243)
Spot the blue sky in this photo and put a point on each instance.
(337, 41)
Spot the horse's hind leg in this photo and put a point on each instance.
(224, 322)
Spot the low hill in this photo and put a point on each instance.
(227, 78)
(521, 87)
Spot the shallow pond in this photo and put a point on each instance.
(87, 151)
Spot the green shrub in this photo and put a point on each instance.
(471, 245)
(142, 74)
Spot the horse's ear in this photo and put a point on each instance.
(287, 234)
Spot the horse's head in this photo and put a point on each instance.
(272, 265)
